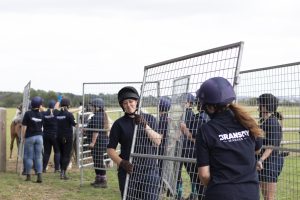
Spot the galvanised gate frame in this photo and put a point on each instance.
(176, 77)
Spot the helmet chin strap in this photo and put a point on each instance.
(131, 114)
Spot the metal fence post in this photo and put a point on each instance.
(2, 139)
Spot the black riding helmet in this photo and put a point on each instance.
(65, 102)
(127, 92)
(269, 101)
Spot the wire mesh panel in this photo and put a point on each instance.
(267, 92)
(100, 110)
(25, 107)
(163, 153)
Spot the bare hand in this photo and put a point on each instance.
(259, 165)
(92, 145)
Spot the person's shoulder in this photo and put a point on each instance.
(148, 116)
(119, 120)
(272, 121)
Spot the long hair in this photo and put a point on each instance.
(243, 117)
(106, 121)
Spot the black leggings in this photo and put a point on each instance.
(65, 144)
(49, 142)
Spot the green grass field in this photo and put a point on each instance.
(14, 187)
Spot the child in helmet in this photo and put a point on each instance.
(144, 171)
(98, 139)
(270, 160)
(65, 124)
(226, 145)
(32, 135)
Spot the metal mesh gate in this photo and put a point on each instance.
(90, 158)
(158, 169)
(25, 107)
(282, 81)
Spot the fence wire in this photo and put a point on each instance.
(165, 168)
(91, 122)
(282, 166)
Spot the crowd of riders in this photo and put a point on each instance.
(44, 129)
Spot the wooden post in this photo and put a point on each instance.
(2, 139)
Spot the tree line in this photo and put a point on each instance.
(13, 99)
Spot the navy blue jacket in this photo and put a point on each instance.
(33, 119)
(65, 123)
(229, 149)
(50, 122)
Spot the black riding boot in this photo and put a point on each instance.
(63, 175)
(39, 178)
(93, 183)
(28, 177)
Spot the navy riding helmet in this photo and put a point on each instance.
(164, 104)
(98, 103)
(127, 92)
(216, 91)
(269, 101)
(51, 103)
(187, 97)
(36, 102)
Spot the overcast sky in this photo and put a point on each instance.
(59, 44)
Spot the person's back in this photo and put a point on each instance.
(50, 122)
(226, 145)
(32, 135)
(50, 135)
(228, 139)
(65, 124)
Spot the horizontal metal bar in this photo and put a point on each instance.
(92, 83)
(285, 117)
(86, 158)
(268, 68)
(282, 149)
(169, 158)
(290, 142)
(230, 46)
(94, 129)
(86, 165)
(291, 130)
(84, 152)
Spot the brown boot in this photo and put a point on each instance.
(100, 182)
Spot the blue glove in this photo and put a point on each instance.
(59, 98)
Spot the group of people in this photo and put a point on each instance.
(44, 129)
(224, 139)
